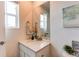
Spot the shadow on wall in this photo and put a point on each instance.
(54, 52)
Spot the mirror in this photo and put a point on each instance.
(40, 23)
(41, 19)
(45, 19)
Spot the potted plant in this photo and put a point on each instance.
(69, 49)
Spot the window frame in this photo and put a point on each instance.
(14, 15)
(44, 22)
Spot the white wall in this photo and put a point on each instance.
(61, 36)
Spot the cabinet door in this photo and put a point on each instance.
(21, 53)
(28, 52)
(45, 52)
(26, 55)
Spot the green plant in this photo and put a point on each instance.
(69, 49)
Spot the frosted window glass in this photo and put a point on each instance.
(11, 8)
(43, 22)
(42, 25)
(45, 16)
(41, 17)
(11, 21)
(11, 14)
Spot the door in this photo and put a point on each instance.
(2, 29)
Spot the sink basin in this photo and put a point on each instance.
(35, 45)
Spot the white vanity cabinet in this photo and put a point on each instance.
(25, 51)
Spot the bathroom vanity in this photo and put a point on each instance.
(39, 27)
(34, 48)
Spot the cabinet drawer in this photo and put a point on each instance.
(27, 50)
(45, 52)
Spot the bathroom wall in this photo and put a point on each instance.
(31, 14)
(11, 36)
(36, 16)
(61, 36)
(14, 35)
(25, 15)
(38, 3)
(2, 29)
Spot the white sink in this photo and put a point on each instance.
(35, 45)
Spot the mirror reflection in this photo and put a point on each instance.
(40, 20)
(45, 19)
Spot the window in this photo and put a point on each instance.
(43, 22)
(11, 15)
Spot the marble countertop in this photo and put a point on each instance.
(35, 45)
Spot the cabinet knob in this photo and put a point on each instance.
(2, 42)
